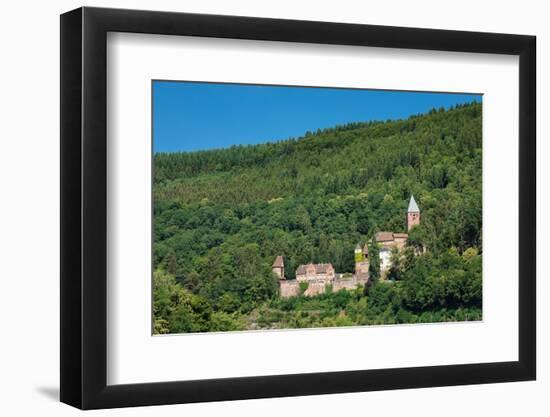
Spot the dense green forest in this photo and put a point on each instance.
(222, 216)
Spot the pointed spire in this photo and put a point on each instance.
(279, 262)
(413, 208)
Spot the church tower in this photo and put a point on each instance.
(413, 214)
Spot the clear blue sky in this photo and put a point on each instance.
(196, 116)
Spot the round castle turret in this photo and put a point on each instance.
(278, 267)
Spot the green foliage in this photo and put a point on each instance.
(176, 310)
(395, 268)
(221, 217)
(374, 262)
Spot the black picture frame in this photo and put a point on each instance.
(84, 207)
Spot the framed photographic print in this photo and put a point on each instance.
(258, 207)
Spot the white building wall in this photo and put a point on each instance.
(385, 255)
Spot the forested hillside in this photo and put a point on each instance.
(222, 216)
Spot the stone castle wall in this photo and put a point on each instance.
(291, 288)
(350, 283)
(315, 277)
(316, 287)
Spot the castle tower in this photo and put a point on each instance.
(413, 214)
(362, 263)
(365, 252)
(278, 267)
(358, 253)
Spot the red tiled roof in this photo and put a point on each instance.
(279, 263)
(383, 236)
(319, 268)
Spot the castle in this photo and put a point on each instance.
(312, 279)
